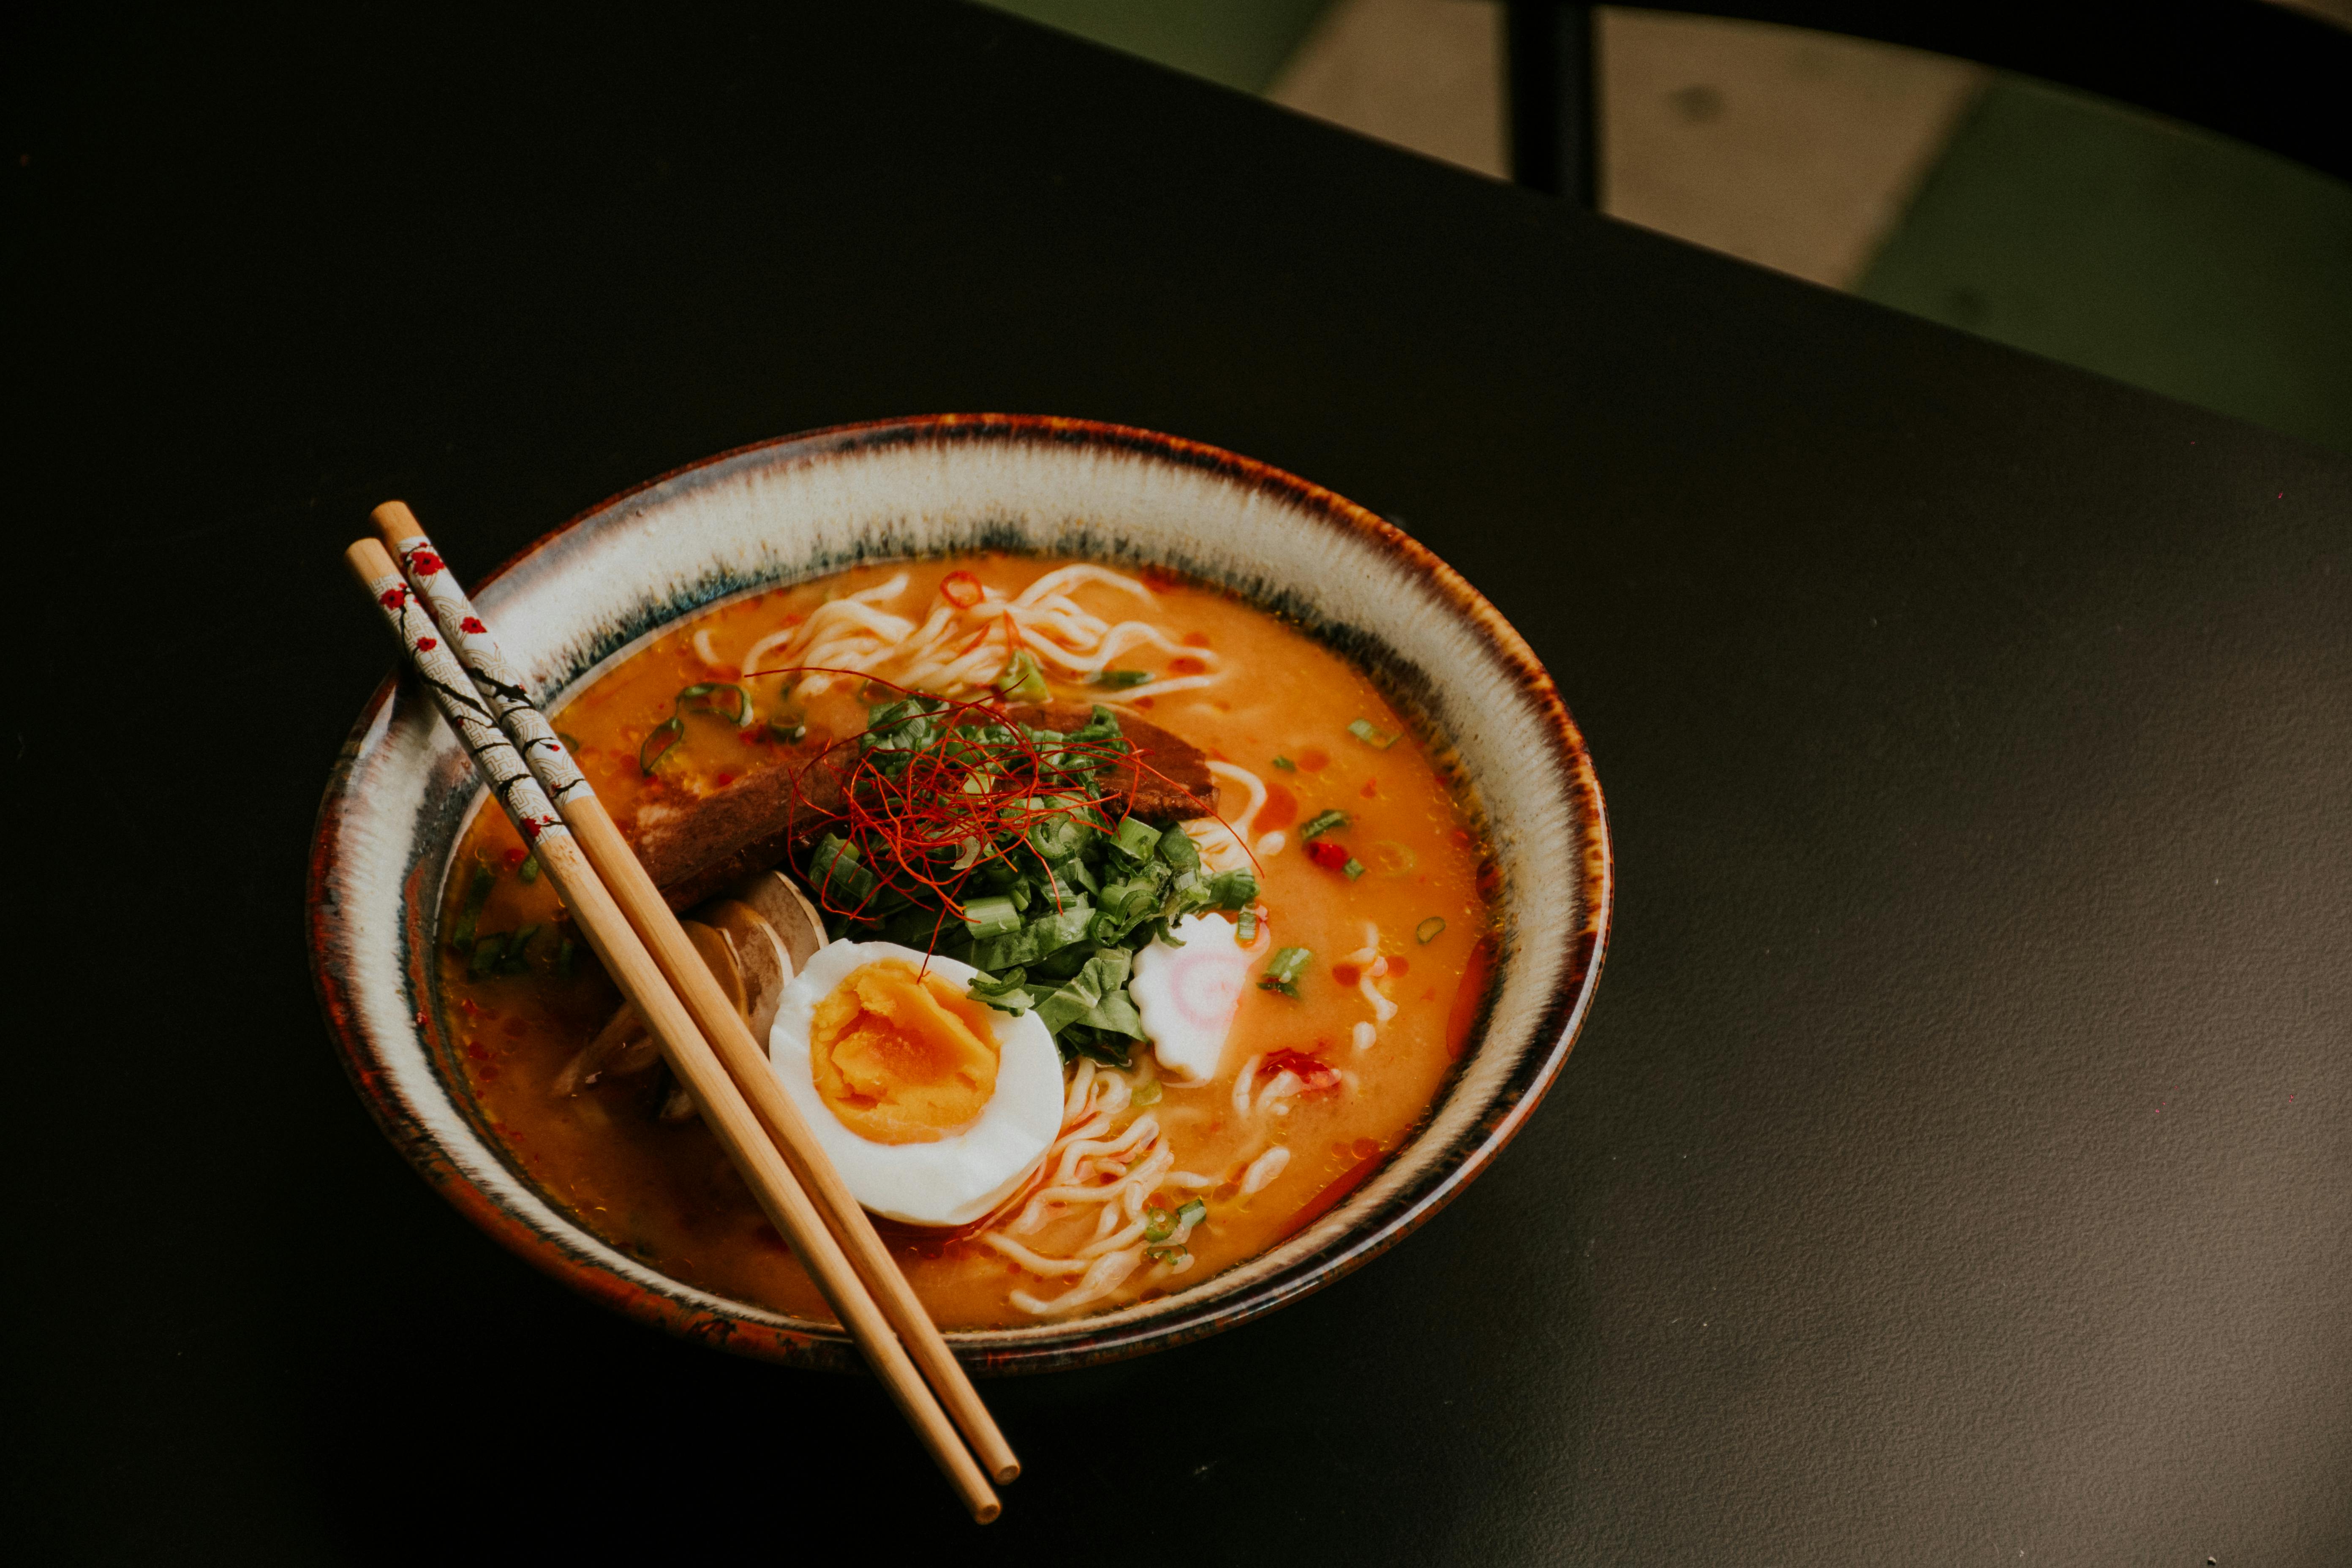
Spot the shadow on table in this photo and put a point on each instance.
(536, 1425)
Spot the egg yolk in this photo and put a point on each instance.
(900, 1058)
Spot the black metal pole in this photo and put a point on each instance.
(1554, 106)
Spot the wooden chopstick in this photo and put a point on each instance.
(502, 687)
(608, 931)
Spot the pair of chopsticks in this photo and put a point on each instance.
(625, 921)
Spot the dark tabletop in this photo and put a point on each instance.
(1954, 1168)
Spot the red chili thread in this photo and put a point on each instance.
(957, 789)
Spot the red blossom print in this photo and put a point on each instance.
(392, 598)
(423, 563)
(427, 644)
(532, 827)
(472, 626)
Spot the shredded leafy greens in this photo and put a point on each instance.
(1009, 848)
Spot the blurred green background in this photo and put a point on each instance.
(2167, 257)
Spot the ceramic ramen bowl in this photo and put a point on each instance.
(798, 508)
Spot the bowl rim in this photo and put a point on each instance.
(1513, 1100)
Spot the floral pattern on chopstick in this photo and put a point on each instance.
(498, 682)
(453, 688)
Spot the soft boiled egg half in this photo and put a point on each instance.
(934, 1107)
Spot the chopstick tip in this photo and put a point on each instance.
(394, 516)
(370, 562)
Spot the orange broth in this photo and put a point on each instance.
(664, 1192)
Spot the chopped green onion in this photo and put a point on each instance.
(786, 732)
(564, 952)
(1429, 930)
(1146, 1093)
(470, 913)
(529, 870)
(1135, 839)
(1371, 735)
(1323, 821)
(1246, 929)
(1176, 848)
(1023, 677)
(1056, 836)
(1283, 973)
(488, 951)
(1047, 934)
(1175, 1255)
(834, 868)
(1118, 679)
(1285, 765)
(1354, 868)
(695, 699)
(659, 743)
(1232, 890)
(1191, 1212)
(991, 917)
(1159, 1225)
(1005, 993)
(570, 743)
(512, 961)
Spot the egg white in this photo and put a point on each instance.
(954, 1179)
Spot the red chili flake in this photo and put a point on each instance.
(725, 779)
(1315, 1077)
(472, 625)
(1326, 854)
(1345, 973)
(514, 856)
(1371, 789)
(473, 1050)
(1195, 640)
(961, 589)
(427, 644)
(1187, 666)
(469, 1006)
(1143, 701)
(1398, 966)
(1314, 759)
(423, 563)
(1280, 810)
